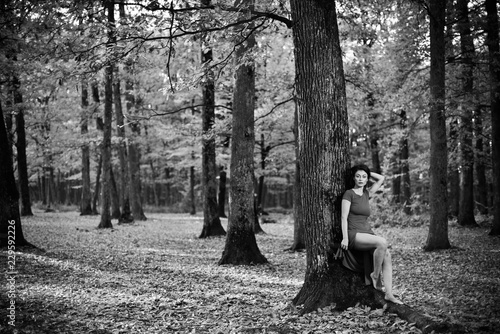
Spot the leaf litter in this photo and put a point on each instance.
(156, 276)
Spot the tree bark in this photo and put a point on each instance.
(115, 197)
(10, 219)
(86, 199)
(22, 164)
(494, 67)
(438, 228)
(241, 244)
(466, 207)
(108, 115)
(211, 222)
(97, 190)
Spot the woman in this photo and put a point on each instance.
(357, 233)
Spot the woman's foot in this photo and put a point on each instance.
(377, 281)
(391, 298)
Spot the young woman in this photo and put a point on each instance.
(357, 233)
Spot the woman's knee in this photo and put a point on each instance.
(382, 243)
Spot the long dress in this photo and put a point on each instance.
(357, 222)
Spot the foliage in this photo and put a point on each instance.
(157, 276)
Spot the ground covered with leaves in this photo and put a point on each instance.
(156, 276)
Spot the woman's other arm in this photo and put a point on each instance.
(346, 206)
(379, 179)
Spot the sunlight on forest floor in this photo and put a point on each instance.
(156, 276)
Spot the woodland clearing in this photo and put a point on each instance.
(156, 276)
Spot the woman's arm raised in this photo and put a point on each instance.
(379, 179)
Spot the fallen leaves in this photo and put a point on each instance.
(158, 277)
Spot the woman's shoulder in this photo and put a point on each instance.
(348, 194)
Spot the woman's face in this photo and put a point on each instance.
(360, 178)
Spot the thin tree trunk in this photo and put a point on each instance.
(211, 222)
(438, 228)
(222, 193)
(482, 186)
(192, 197)
(133, 150)
(86, 199)
(97, 190)
(22, 164)
(115, 197)
(405, 196)
(494, 67)
(108, 115)
(453, 170)
(466, 207)
(241, 244)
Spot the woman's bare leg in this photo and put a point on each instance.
(365, 242)
(387, 274)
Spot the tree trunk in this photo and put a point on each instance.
(133, 150)
(222, 193)
(108, 115)
(404, 155)
(494, 67)
(192, 197)
(22, 164)
(466, 207)
(298, 224)
(126, 213)
(86, 200)
(115, 197)
(211, 222)
(97, 190)
(10, 220)
(453, 170)
(241, 244)
(482, 186)
(438, 228)
(323, 147)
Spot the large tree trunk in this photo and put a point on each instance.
(494, 66)
(466, 207)
(438, 228)
(22, 164)
(10, 219)
(211, 222)
(108, 115)
(86, 200)
(323, 146)
(241, 244)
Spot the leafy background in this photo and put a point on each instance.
(158, 277)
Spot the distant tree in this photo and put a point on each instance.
(466, 207)
(241, 244)
(494, 83)
(86, 199)
(211, 221)
(438, 228)
(108, 114)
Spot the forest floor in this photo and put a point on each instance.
(156, 276)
